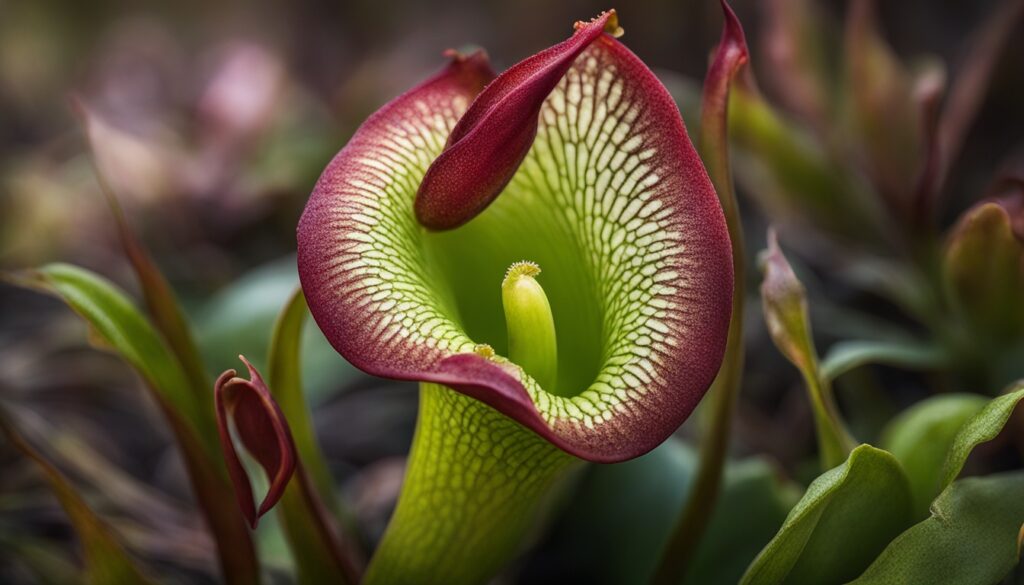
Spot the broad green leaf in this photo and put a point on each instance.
(970, 538)
(784, 301)
(106, 561)
(117, 324)
(305, 509)
(619, 518)
(921, 438)
(850, 355)
(617, 522)
(844, 520)
(982, 428)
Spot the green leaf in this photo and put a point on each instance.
(921, 438)
(306, 506)
(614, 526)
(850, 355)
(106, 561)
(841, 524)
(118, 325)
(982, 428)
(970, 538)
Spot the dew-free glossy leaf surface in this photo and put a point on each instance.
(844, 520)
(921, 438)
(845, 356)
(983, 427)
(120, 326)
(970, 538)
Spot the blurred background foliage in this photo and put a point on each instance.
(212, 121)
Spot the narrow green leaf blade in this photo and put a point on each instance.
(118, 325)
(106, 561)
(982, 428)
(844, 520)
(285, 380)
(306, 508)
(846, 356)
(970, 539)
(921, 438)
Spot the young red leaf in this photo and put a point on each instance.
(262, 430)
(486, 147)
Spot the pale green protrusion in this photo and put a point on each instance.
(531, 326)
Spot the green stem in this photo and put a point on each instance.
(834, 441)
(308, 508)
(475, 484)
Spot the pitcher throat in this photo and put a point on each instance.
(476, 483)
